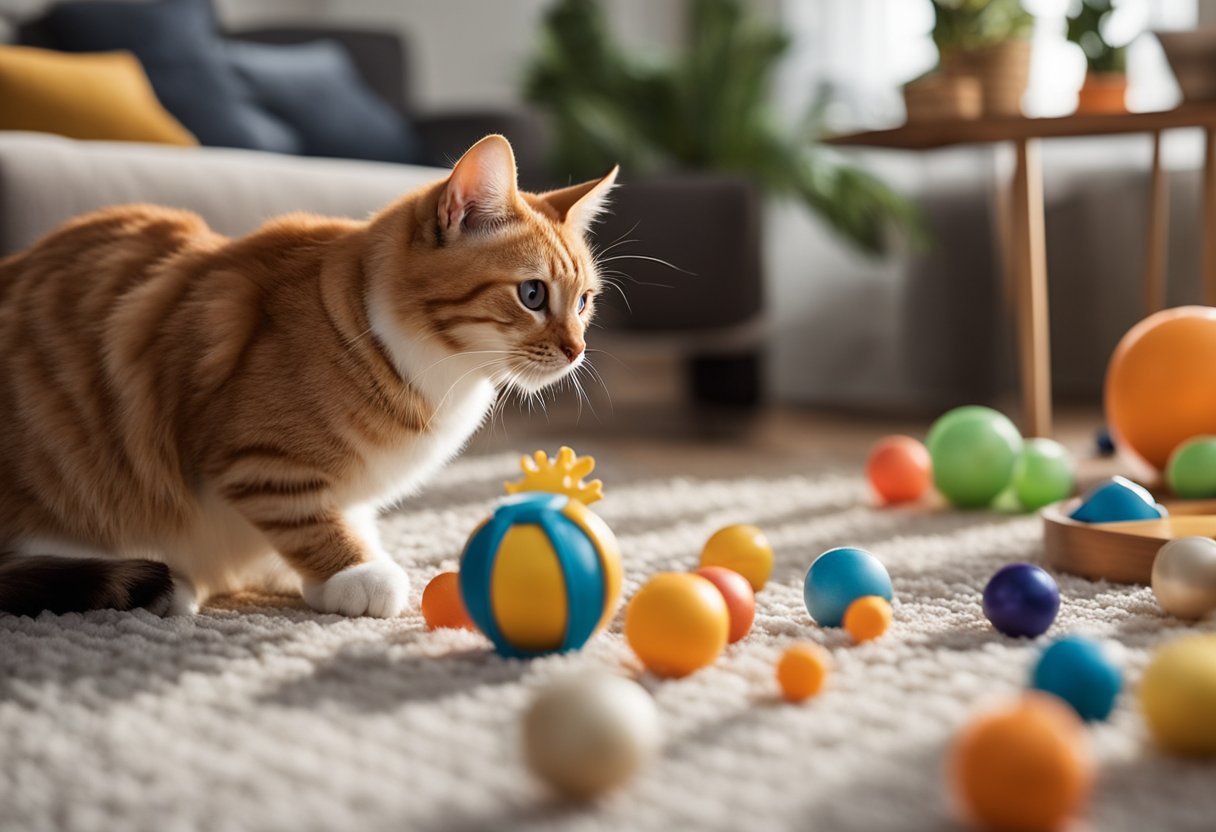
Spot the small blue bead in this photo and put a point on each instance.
(839, 577)
(1079, 671)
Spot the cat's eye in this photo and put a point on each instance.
(582, 302)
(533, 294)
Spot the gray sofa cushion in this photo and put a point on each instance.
(178, 45)
(45, 180)
(315, 88)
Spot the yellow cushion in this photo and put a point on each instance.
(102, 96)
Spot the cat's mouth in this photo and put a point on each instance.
(536, 375)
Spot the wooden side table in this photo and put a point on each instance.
(1028, 253)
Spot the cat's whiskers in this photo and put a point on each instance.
(462, 355)
(648, 258)
(435, 412)
(618, 241)
(613, 284)
(593, 372)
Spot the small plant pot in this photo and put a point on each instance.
(1002, 70)
(944, 97)
(1102, 92)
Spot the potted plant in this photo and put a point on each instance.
(1105, 87)
(940, 96)
(988, 40)
(698, 146)
(704, 109)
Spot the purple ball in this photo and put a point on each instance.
(1021, 600)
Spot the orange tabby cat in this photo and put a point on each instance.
(182, 414)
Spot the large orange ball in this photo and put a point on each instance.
(677, 624)
(1161, 384)
(1025, 766)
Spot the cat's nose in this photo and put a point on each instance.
(572, 350)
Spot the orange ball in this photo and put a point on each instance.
(442, 605)
(802, 670)
(867, 618)
(899, 469)
(739, 597)
(1025, 766)
(1161, 383)
(677, 623)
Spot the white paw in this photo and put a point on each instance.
(183, 600)
(378, 588)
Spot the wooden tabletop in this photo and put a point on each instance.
(924, 135)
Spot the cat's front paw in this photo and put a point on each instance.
(378, 588)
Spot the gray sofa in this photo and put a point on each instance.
(46, 179)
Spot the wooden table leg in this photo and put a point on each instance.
(1002, 218)
(1209, 219)
(1034, 349)
(1158, 233)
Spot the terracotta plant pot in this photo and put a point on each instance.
(1103, 92)
(1002, 70)
(943, 97)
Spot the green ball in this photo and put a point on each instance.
(974, 450)
(1191, 472)
(1043, 474)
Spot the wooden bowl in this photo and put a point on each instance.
(1120, 552)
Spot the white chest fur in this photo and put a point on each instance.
(459, 389)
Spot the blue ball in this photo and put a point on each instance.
(839, 577)
(1021, 600)
(1079, 671)
(1117, 500)
(1103, 442)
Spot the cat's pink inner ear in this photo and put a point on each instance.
(578, 205)
(481, 190)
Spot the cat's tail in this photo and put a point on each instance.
(30, 584)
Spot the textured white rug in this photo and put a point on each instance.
(261, 715)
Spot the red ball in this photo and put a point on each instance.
(739, 596)
(899, 469)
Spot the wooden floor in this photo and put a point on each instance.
(672, 441)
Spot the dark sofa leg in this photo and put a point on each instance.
(735, 380)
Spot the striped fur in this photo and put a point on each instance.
(216, 405)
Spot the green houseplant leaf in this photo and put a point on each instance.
(1086, 29)
(705, 108)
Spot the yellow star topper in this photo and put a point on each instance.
(560, 475)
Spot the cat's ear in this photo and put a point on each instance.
(578, 206)
(481, 192)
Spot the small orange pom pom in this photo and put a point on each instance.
(867, 618)
(802, 670)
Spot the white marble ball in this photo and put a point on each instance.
(587, 734)
(1184, 577)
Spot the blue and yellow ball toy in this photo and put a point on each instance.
(542, 574)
